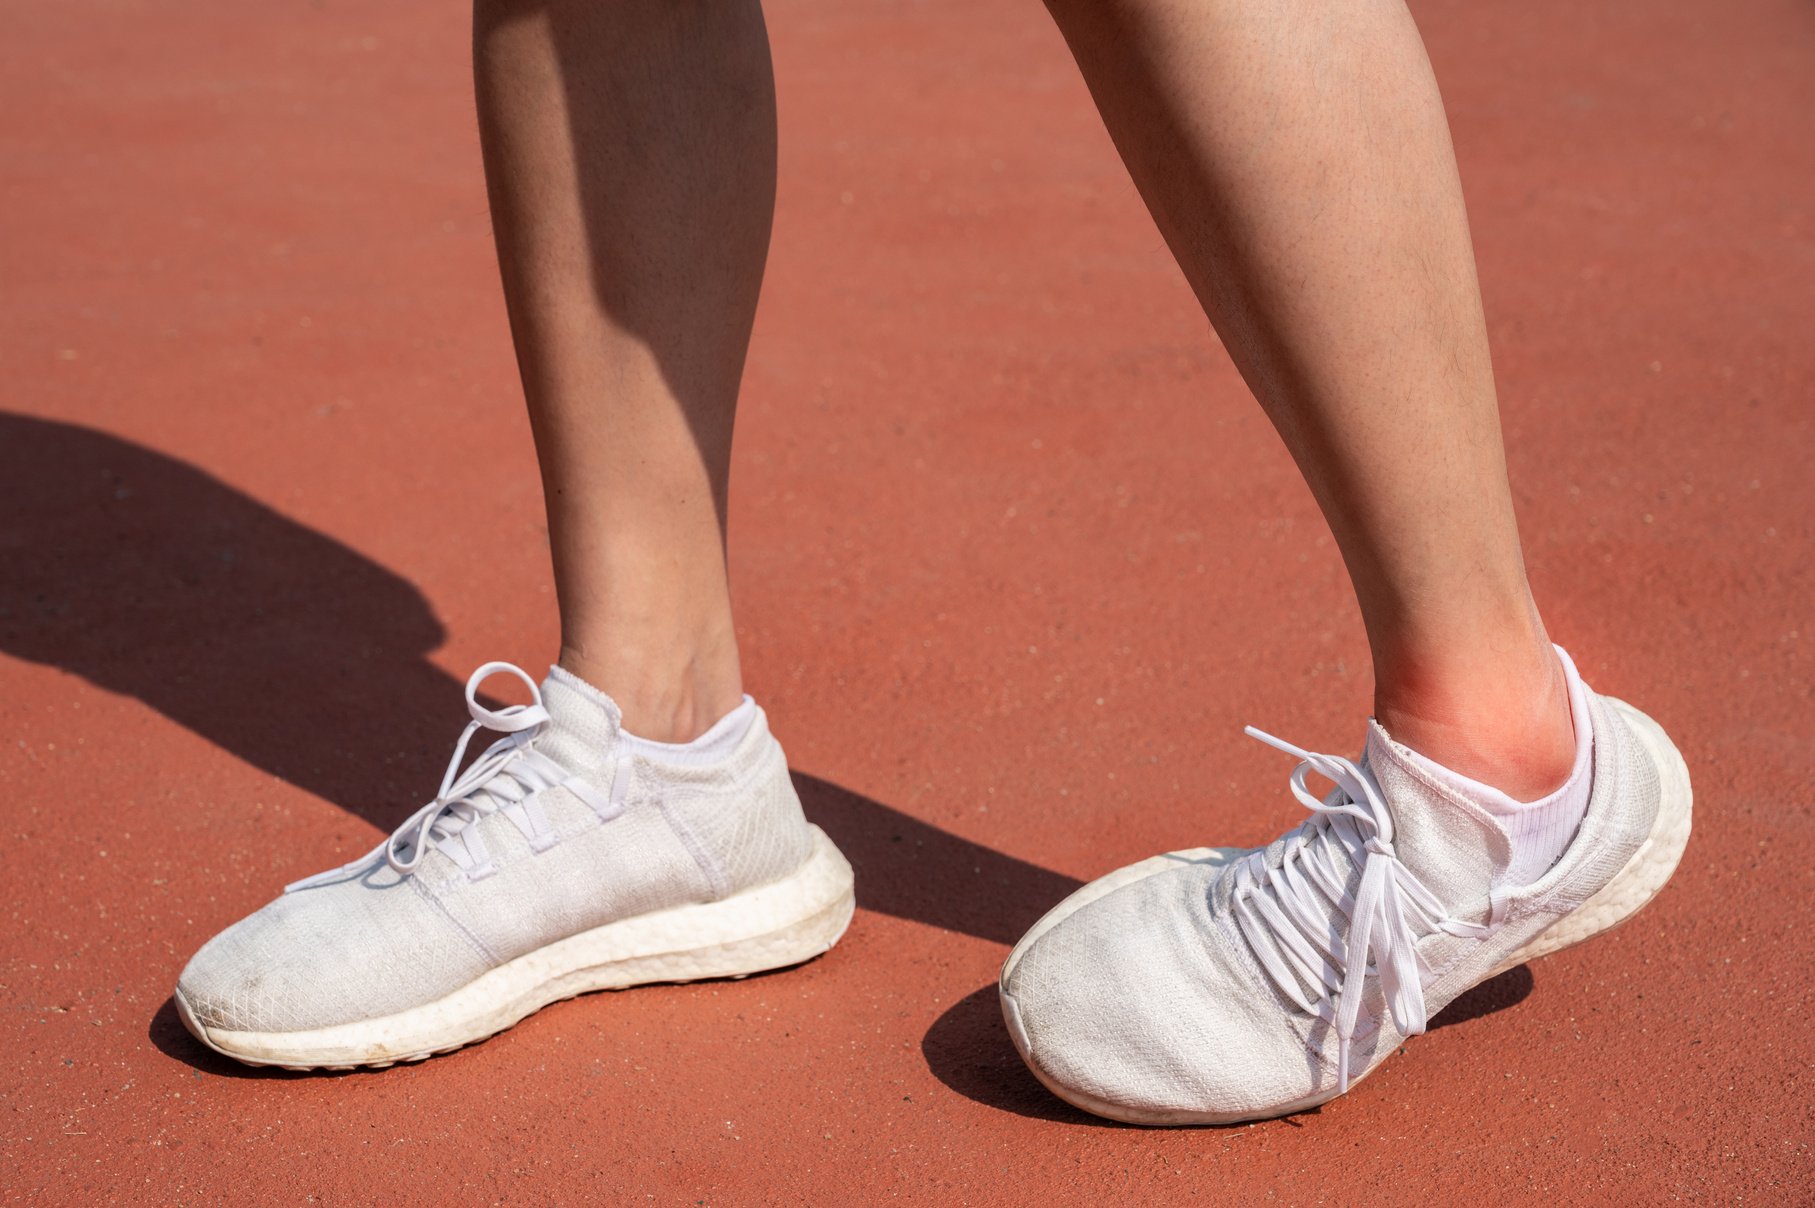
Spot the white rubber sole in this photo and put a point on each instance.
(1630, 890)
(770, 927)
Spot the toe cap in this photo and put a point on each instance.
(1136, 1006)
(319, 957)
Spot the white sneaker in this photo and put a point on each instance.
(1214, 986)
(565, 859)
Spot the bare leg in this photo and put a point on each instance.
(630, 158)
(1297, 160)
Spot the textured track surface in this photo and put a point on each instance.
(1016, 556)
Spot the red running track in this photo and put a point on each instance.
(1016, 559)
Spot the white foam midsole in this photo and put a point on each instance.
(768, 927)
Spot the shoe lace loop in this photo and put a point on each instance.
(506, 777)
(508, 772)
(1284, 912)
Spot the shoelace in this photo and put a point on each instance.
(1284, 912)
(506, 777)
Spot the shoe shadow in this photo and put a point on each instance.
(169, 1037)
(968, 1049)
(1509, 989)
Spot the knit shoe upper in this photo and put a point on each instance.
(556, 829)
(1263, 982)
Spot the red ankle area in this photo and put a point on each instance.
(1518, 738)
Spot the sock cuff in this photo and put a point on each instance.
(1538, 831)
(715, 745)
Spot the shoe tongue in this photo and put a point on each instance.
(583, 723)
(1453, 846)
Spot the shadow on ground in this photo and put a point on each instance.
(1509, 989)
(169, 1037)
(912, 870)
(153, 579)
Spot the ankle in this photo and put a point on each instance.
(667, 692)
(1504, 722)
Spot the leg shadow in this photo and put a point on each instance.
(912, 870)
(150, 578)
